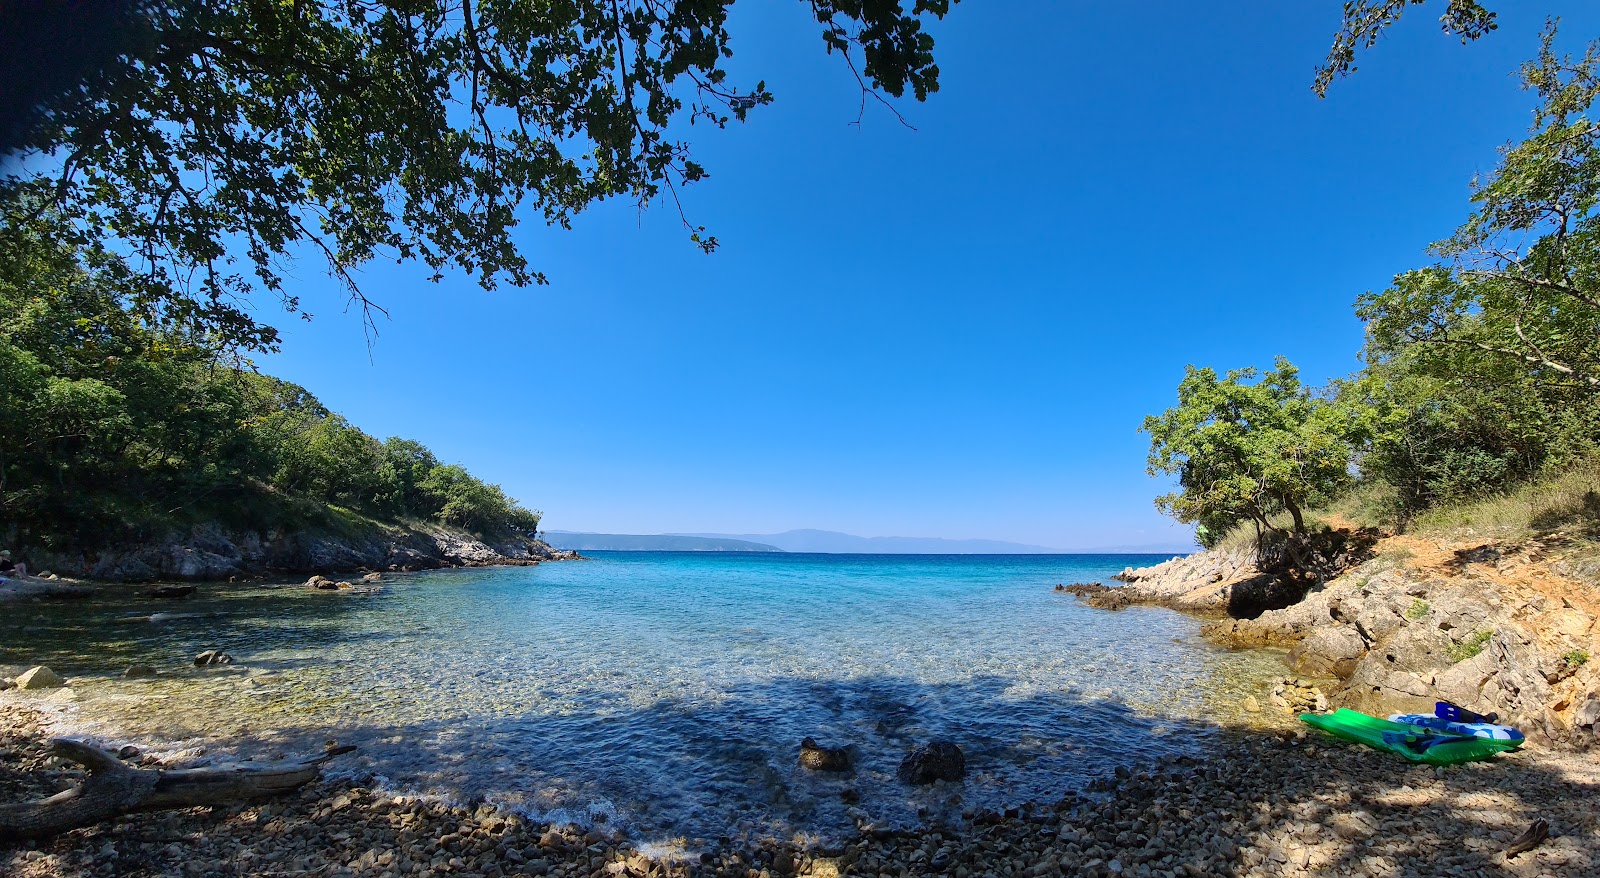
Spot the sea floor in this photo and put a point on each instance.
(664, 695)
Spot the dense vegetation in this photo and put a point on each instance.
(163, 162)
(217, 141)
(117, 426)
(1482, 370)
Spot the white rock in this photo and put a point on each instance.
(40, 677)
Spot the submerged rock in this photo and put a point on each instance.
(819, 758)
(139, 672)
(212, 657)
(935, 760)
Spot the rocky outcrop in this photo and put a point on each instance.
(1505, 629)
(1242, 581)
(1202, 582)
(1491, 631)
(210, 553)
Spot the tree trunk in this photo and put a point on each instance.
(1299, 519)
(114, 788)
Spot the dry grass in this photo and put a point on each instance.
(1569, 502)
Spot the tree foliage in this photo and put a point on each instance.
(1366, 20)
(1482, 370)
(114, 426)
(1519, 282)
(225, 138)
(1246, 447)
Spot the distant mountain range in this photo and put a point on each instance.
(581, 542)
(826, 541)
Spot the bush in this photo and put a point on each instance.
(1474, 644)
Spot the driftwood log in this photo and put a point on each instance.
(114, 788)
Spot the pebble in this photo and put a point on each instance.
(1254, 805)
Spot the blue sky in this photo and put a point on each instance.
(953, 331)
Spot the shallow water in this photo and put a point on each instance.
(668, 691)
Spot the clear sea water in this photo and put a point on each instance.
(667, 692)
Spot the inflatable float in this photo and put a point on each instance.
(1436, 742)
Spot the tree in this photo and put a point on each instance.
(115, 427)
(225, 137)
(1366, 20)
(1519, 282)
(1247, 451)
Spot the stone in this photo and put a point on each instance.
(1330, 651)
(139, 672)
(1251, 704)
(1354, 826)
(372, 577)
(1588, 715)
(1478, 555)
(819, 758)
(212, 657)
(171, 591)
(936, 760)
(40, 677)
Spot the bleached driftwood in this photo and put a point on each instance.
(114, 788)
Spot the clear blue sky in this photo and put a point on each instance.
(953, 331)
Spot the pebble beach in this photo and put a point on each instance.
(1265, 802)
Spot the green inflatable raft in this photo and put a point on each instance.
(1413, 742)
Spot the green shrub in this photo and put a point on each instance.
(1418, 610)
(1474, 644)
(1576, 658)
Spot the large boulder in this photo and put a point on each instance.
(819, 758)
(935, 760)
(1332, 651)
(40, 677)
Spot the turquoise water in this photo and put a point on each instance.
(667, 691)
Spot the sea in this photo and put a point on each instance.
(663, 694)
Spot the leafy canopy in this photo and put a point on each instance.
(224, 138)
(1244, 450)
(1366, 20)
(1519, 282)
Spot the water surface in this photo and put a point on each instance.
(668, 691)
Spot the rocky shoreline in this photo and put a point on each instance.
(211, 553)
(1281, 803)
(1508, 629)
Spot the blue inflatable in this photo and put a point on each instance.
(1450, 727)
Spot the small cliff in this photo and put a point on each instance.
(210, 553)
(1510, 629)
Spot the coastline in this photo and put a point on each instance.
(1284, 803)
(1507, 628)
(205, 554)
(1255, 801)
